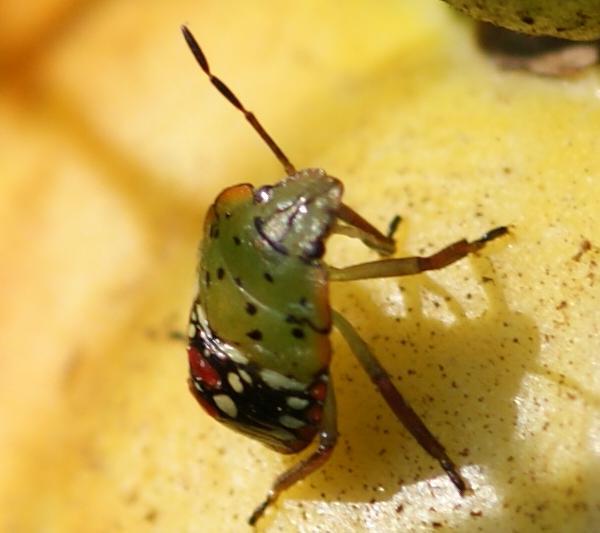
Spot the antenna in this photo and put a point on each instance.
(228, 93)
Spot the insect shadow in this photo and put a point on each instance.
(461, 378)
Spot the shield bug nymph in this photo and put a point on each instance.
(259, 348)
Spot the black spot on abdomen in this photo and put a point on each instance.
(255, 335)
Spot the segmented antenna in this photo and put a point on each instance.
(227, 93)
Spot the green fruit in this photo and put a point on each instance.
(578, 20)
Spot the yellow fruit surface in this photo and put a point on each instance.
(112, 146)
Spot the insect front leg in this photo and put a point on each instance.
(359, 228)
(401, 408)
(327, 441)
(406, 266)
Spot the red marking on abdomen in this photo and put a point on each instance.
(315, 414)
(201, 369)
(305, 436)
(319, 391)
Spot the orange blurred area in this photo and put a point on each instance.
(112, 146)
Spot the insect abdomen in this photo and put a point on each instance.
(281, 412)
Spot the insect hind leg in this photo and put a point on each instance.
(327, 441)
(400, 407)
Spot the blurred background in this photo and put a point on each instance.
(112, 146)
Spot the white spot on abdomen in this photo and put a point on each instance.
(296, 403)
(201, 315)
(232, 352)
(235, 382)
(278, 381)
(245, 376)
(226, 405)
(291, 422)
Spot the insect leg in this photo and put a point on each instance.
(327, 440)
(406, 266)
(361, 229)
(401, 408)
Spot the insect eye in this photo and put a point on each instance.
(263, 194)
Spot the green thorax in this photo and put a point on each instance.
(263, 286)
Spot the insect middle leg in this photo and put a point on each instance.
(406, 266)
(327, 441)
(401, 408)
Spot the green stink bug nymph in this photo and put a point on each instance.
(259, 348)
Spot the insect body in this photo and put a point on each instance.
(262, 318)
(259, 348)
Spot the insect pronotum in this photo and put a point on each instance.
(259, 348)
